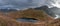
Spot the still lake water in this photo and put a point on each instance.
(26, 20)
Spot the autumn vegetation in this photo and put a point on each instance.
(45, 19)
(30, 13)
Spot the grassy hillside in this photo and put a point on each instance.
(30, 13)
(10, 18)
(6, 21)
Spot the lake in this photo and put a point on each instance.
(26, 20)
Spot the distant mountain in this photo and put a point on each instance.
(41, 8)
(55, 10)
(7, 10)
(49, 11)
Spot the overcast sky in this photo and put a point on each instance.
(21, 3)
(25, 3)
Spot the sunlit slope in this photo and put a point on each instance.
(30, 13)
(6, 21)
(46, 20)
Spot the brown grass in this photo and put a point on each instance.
(38, 14)
(44, 19)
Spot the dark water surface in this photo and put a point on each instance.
(26, 20)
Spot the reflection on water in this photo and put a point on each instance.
(27, 20)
